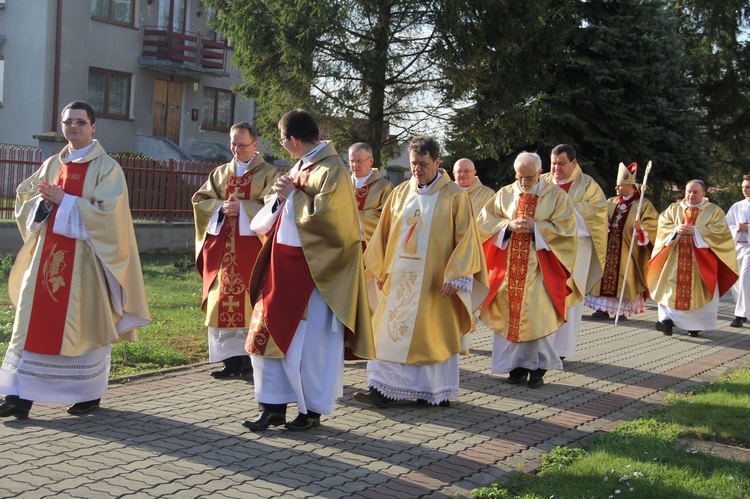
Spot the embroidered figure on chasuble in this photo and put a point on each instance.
(76, 283)
(226, 248)
(529, 231)
(426, 256)
(693, 263)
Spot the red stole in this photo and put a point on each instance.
(514, 262)
(220, 255)
(684, 287)
(611, 277)
(565, 187)
(52, 291)
(361, 195)
(284, 293)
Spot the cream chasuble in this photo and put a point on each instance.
(421, 243)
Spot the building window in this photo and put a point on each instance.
(116, 11)
(109, 92)
(217, 109)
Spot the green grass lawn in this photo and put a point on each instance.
(177, 335)
(652, 457)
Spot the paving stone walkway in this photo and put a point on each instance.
(178, 434)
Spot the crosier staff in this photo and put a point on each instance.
(633, 239)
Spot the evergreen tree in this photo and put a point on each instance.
(623, 94)
(349, 62)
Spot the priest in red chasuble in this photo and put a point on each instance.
(466, 176)
(226, 248)
(605, 295)
(693, 263)
(426, 257)
(530, 234)
(76, 283)
(590, 205)
(308, 285)
(370, 189)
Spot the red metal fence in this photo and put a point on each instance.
(160, 189)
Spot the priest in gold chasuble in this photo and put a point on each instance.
(370, 189)
(693, 263)
(621, 209)
(308, 285)
(427, 260)
(226, 248)
(465, 175)
(590, 207)
(76, 283)
(530, 234)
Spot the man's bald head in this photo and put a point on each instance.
(464, 172)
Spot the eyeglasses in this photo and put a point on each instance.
(240, 147)
(79, 123)
(358, 161)
(462, 172)
(284, 139)
(526, 179)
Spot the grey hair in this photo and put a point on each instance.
(526, 157)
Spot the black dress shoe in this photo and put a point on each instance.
(621, 318)
(737, 322)
(517, 376)
(8, 409)
(265, 420)
(600, 315)
(81, 408)
(372, 397)
(535, 381)
(693, 334)
(227, 372)
(665, 326)
(303, 422)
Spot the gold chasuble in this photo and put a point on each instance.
(370, 200)
(621, 216)
(73, 295)
(479, 194)
(225, 261)
(325, 213)
(530, 288)
(590, 202)
(683, 276)
(421, 243)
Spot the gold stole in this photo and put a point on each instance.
(685, 264)
(518, 265)
(52, 291)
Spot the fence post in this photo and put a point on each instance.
(171, 182)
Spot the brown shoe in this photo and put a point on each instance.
(372, 397)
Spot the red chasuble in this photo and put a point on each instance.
(52, 291)
(220, 257)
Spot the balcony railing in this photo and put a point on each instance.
(193, 49)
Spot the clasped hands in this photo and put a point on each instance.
(523, 225)
(283, 187)
(686, 230)
(52, 194)
(230, 207)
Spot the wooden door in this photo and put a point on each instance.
(167, 108)
(174, 106)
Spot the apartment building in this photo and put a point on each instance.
(158, 77)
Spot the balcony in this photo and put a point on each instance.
(182, 53)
